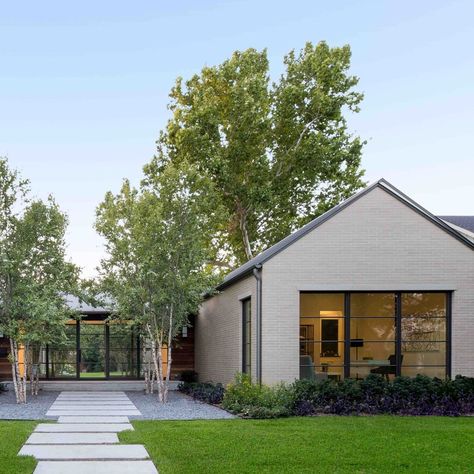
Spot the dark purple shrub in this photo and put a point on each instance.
(205, 392)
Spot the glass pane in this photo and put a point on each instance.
(311, 354)
(365, 305)
(372, 357)
(122, 363)
(439, 372)
(423, 305)
(62, 357)
(329, 369)
(247, 333)
(418, 329)
(373, 353)
(62, 369)
(423, 334)
(317, 329)
(372, 329)
(92, 343)
(423, 353)
(321, 305)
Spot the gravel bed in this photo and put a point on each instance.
(35, 408)
(178, 407)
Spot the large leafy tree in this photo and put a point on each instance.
(272, 155)
(34, 275)
(156, 251)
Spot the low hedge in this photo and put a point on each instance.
(420, 395)
(205, 392)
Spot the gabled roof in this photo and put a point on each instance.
(266, 255)
(466, 222)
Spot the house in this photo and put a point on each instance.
(375, 285)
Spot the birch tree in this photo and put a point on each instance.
(156, 252)
(34, 275)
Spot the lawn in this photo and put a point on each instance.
(13, 434)
(381, 444)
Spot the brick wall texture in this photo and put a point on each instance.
(376, 243)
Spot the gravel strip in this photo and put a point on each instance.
(179, 407)
(35, 408)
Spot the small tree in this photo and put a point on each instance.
(34, 275)
(155, 239)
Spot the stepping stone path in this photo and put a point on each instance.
(85, 438)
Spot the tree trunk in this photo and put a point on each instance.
(14, 364)
(169, 358)
(245, 234)
(146, 369)
(19, 381)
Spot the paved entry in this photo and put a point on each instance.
(85, 438)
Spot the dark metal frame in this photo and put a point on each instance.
(107, 355)
(398, 325)
(243, 303)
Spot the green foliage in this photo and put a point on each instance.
(34, 273)
(154, 242)
(255, 401)
(156, 252)
(271, 156)
(419, 395)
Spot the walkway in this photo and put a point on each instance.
(85, 438)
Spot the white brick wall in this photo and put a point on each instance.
(376, 243)
(218, 337)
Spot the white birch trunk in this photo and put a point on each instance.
(14, 364)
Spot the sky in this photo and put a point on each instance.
(84, 89)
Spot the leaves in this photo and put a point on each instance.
(269, 156)
(34, 273)
(156, 253)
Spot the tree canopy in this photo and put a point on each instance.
(34, 272)
(155, 259)
(270, 155)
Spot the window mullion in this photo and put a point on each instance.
(398, 333)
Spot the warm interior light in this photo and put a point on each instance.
(337, 314)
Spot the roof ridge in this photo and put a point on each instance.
(268, 253)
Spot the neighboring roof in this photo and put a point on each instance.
(466, 222)
(261, 258)
(74, 303)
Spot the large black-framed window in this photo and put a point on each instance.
(384, 332)
(247, 336)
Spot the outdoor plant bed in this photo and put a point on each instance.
(204, 392)
(374, 395)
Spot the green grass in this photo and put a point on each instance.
(13, 435)
(379, 444)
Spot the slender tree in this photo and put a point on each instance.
(34, 275)
(156, 255)
(272, 155)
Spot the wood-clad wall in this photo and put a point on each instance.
(5, 367)
(183, 354)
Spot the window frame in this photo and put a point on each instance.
(398, 324)
(246, 335)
